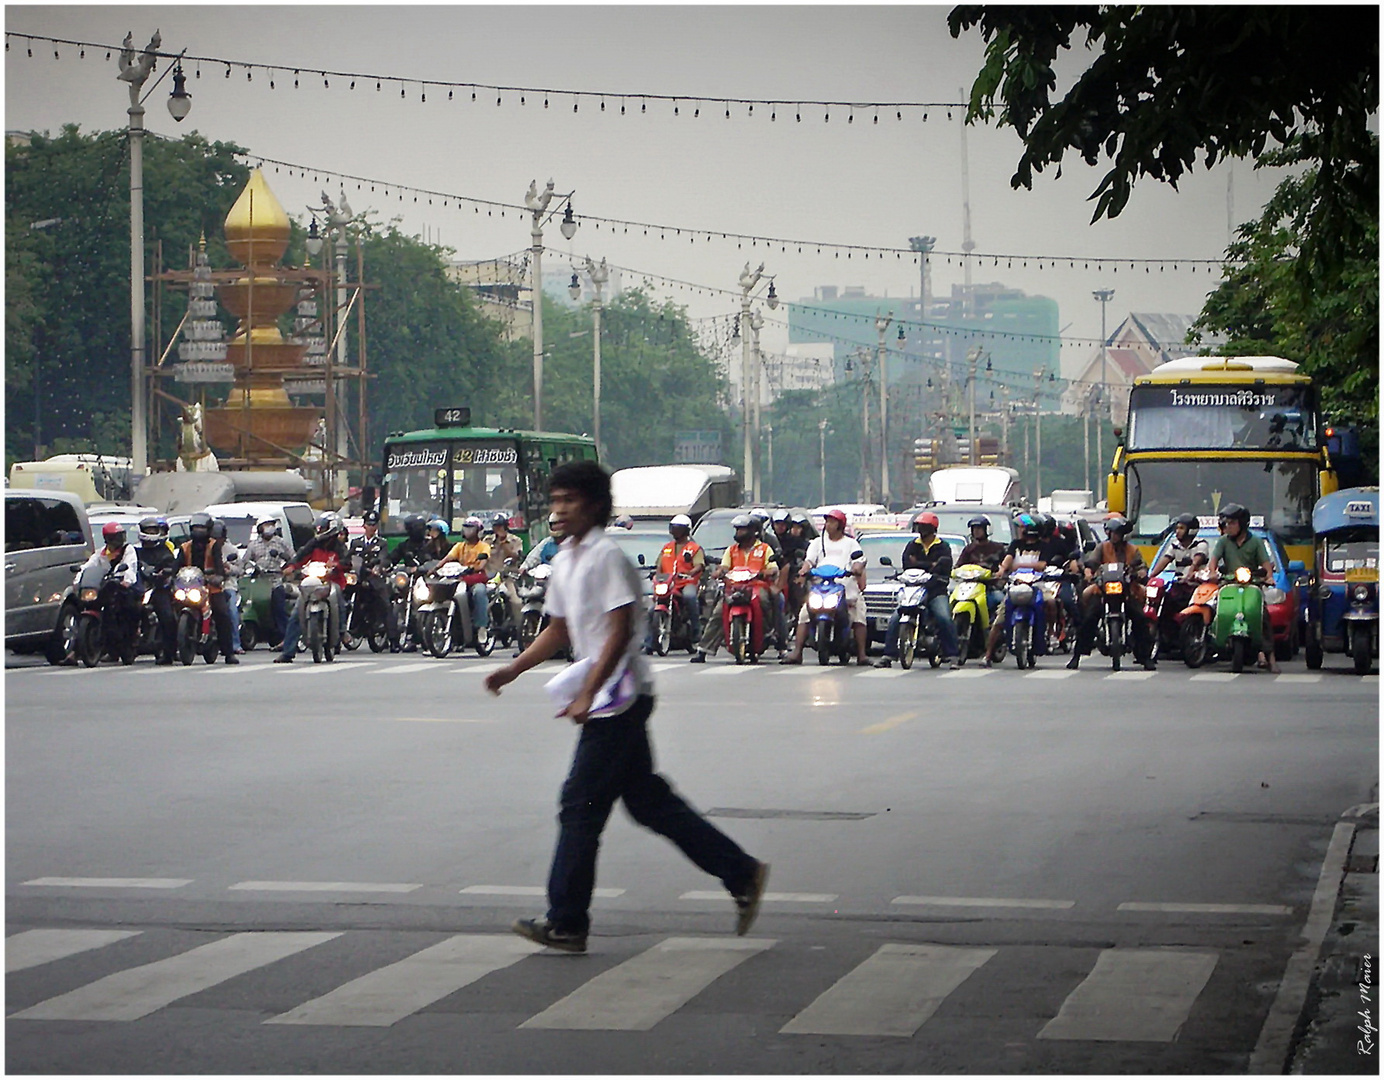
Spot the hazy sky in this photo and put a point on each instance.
(857, 183)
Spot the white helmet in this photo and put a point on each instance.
(680, 520)
(473, 522)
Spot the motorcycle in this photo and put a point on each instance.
(1059, 633)
(361, 613)
(1164, 597)
(741, 619)
(971, 613)
(320, 628)
(256, 609)
(1193, 621)
(192, 611)
(917, 627)
(1239, 622)
(503, 630)
(826, 604)
(96, 628)
(437, 608)
(533, 587)
(1113, 632)
(672, 622)
(1024, 630)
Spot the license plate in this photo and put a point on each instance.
(1362, 573)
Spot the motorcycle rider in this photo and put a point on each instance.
(266, 554)
(1116, 549)
(800, 534)
(1062, 548)
(411, 553)
(747, 552)
(835, 548)
(115, 556)
(506, 554)
(473, 553)
(1026, 552)
(327, 545)
(230, 555)
(982, 551)
(204, 551)
(1185, 552)
(931, 553)
(158, 562)
(542, 554)
(1238, 547)
(370, 555)
(675, 567)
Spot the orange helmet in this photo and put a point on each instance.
(927, 517)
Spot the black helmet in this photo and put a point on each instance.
(328, 525)
(500, 519)
(149, 532)
(370, 517)
(1117, 526)
(199, 525)
(413, 526)
(980, 521)
(218, 529)
(1190, 521)
(1046, 524)
(1234, 512)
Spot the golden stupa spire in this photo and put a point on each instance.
(257, 227)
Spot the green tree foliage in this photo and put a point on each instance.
(796, 416)
(655, 379)
(1167, 84)
(67, 323)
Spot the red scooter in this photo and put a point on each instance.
(741, 619)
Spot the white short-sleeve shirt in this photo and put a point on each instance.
(592, 578)
(825, 551)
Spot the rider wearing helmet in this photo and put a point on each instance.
(792, 549)
(982, 551)
(928, 552)
(1184, 551)
(119, 558)
(158, 562)
(472, 552)
(749, 552)
(1116, 549)
(1236, 548)
(267, 554)
(1026, 551)
(835, 548)
(204, 551)
(230, 555)
(682, 560)
(328, 545)
(414, 550)
(506, 553)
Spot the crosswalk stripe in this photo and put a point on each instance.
(34, 947)
(768, 897)
(729, 669)
(387, 995)
(636, 995)
(110, 882)
(323, 886)
(967, 673)
(1131, 676)
(137, 992)
(530, 890)
(1133, 995)
(403, 669)
(1313, 677)
(1208, 909)
(883, 673)
(1053, 673)
(983, 901)
(1214, 676)
(894, 992)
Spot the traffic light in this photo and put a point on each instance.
(924, 455)
(963, 450)
(989, 447)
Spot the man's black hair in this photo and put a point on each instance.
(588, 480)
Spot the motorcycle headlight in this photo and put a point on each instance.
(1114, 588)
(350, 579)
(89, 595)
(661, 589)
(180, 594)
(1361, 594)
(814, 602)
(194, 596)
(1021, 594)
(1243, 575)
(401, 581)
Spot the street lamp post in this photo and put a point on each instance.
(599, 275)
(1039, 374)
(538, 205)
(881, 325)
(822, 458)
(1104, 296)
(749, 382)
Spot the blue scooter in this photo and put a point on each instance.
(1024, 626)
(826, 604)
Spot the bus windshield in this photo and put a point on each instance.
(1203, 417)
(1281, 492)
(416, 479)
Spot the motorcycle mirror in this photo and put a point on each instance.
(687, 558)
(1089, 546)
(885, 560)
(641, 558)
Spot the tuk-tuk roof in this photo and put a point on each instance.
(1347, 507)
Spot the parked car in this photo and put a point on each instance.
(47, 538)
(880, 593)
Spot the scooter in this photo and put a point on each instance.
(503, 630)
(1194, 637)
(320, 628)
(741, 619)
(533, 587)
(917, 628)
(1239, 622)
(434, 593)
(257, 610)
(192, 611)
(971, 613)
(826, 604)
(1024, 616)
(1058, 636)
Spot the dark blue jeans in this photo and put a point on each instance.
(614, 761)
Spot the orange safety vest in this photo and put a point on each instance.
(209, 560)
(756, 559)
(670, 559)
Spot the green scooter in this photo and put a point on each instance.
(1238, 628)
(256, 610)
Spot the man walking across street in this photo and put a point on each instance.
(594, 603)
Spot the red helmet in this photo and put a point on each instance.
(113, 533)
(838, 514)
(927, 517)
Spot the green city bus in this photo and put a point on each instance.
(453, 470)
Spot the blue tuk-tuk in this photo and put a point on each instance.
(1342, 614)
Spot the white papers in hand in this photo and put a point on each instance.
(613, 697)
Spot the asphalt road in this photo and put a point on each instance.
(312, 868)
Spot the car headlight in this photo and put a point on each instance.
(1274, 595)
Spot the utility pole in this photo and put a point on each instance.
(1004, 424)
(757, 324)
(599, 275)
(1039, 374)
(865, 423)
(881, 366)
(822, 458)
(972, 360)
(1104, 296)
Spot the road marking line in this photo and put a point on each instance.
(34, 947)
(1271, 1050)
(983, 901)
(882, 673)
(967, 673)
(137, 992)
(111, 882)
(668, 665)
(477, 669)
(439, 720)
(636, 995)
(894, 992)
(528, 890)
(1133, 995)
(1056, 673)
(889, 724)
(769, 897)
(322, 886)
(1311, 678)
(1215, 676)
(729, 669)
(387, 995)
(402, 669)
(1209, 909)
